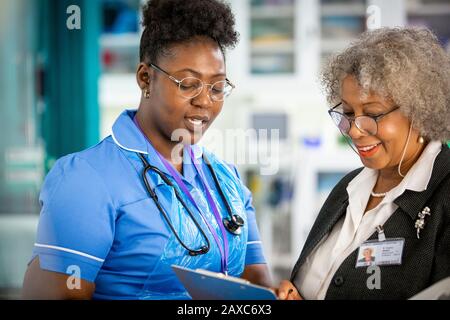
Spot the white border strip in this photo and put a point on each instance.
(132, 150)
(69, 250)
(254, 242)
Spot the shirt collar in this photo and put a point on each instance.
(418, 177)
(129, 137)
(359, 192)
(413, 202)
(367, 177)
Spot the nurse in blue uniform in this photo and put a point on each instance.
(116, 216)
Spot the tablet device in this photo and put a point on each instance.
(207, 285)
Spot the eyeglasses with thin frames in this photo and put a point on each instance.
(191, 87)
(367, 124)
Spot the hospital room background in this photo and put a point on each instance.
(63, 81)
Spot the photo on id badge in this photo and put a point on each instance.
(366, 256)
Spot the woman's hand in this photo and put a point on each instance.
(287, 291)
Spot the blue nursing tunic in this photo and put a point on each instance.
(98, 219)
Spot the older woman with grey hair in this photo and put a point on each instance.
(391, 95)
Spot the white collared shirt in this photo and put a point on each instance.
(355, 227)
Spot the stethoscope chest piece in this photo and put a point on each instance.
(233, 224)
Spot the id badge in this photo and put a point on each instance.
(381, 253)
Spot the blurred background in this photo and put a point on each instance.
(63, 82)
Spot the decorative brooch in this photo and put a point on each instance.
(420, 222)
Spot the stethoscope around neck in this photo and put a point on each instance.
(233, 223)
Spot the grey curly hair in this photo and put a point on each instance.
(405, 65)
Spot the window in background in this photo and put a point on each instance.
(272, 36)
(21, 149)
(341, 22)
(120, 36)
(119, 45)
(433, 14)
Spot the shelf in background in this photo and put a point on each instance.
(123, 40)
(287, 46)
(428, 9)
(272, 48)
(272, 12)
(343, 9)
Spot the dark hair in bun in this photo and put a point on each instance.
(167, 22)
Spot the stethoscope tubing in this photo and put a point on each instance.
(232, 224)
(147, 167)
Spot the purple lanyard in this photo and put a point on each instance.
(176, 175)
(212, 206)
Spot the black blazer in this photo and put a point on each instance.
(425, 260)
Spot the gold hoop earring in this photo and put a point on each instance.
(146, 93)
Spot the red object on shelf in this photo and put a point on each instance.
(108, 58)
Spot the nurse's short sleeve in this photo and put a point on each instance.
(254, 253)
(76, 225)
